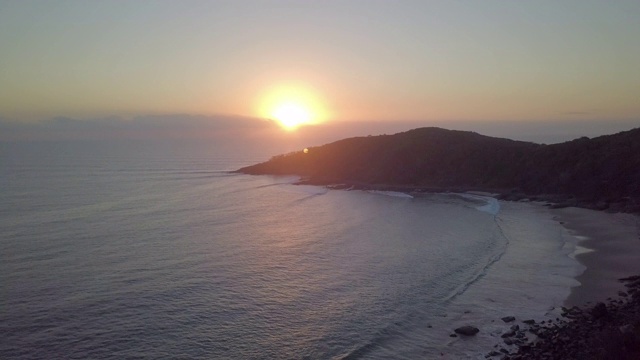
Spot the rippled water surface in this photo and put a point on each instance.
(113, 256)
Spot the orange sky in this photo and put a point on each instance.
(350, 60)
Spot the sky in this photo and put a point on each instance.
(450, 63)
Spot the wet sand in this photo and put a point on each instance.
(613, 251)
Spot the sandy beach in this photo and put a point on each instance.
(609, 247)
(606, 322)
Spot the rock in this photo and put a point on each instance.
(453, 335)
(610, 329)
(467, 330)
(599, 311)
(508, 334)
(622, 293)
(508, 319)
(631, 278)
(494, 353)
(626, 329)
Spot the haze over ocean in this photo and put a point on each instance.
(112, 254)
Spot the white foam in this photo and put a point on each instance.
(491, 206)
(578, 249)
(531, 280)
(391, 193)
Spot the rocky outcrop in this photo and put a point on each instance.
(604, 331)
(602, 173)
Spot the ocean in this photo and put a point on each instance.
(141, 253)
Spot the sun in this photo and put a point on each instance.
(292, 106)
(291, 115)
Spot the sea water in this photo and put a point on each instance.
(120, 255)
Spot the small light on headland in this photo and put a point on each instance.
(306, 151)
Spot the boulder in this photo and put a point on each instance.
(467, 330)
(508, 319)
(508, 334)
(599, 311)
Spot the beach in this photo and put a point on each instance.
(601, 316)
(609, 248)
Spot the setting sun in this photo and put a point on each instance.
(291, 115)
(292, 106)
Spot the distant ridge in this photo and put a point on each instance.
(603, 172)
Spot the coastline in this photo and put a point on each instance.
(600, 318)
(554, 201)
(603, 246)
(609, 248)
(607, 244)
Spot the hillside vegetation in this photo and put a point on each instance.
(603, 172)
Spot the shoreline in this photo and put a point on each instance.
(605, 244)
(604, 236)
(553, 201)
(606, 330)
(602, 309)
(612, 244)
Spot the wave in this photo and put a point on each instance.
(491, 205)
(310, 196)
(402, 333)
(391, 193)
(485, 269)
(365, 349)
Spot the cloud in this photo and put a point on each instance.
(580, 112)
(177, 126)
